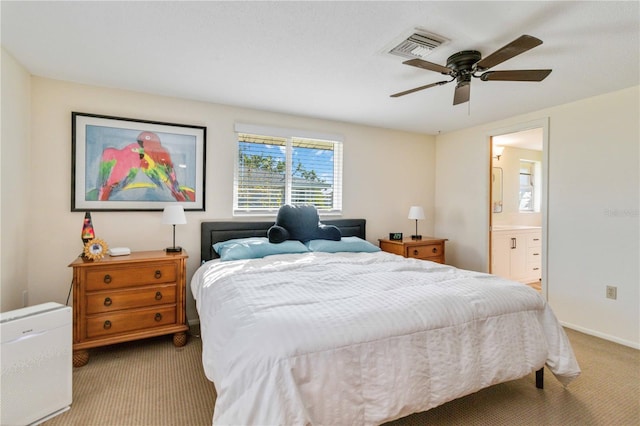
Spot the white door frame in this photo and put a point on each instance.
(534, 124)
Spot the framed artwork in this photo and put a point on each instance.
(122, 164)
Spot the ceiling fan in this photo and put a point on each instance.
(463, 65)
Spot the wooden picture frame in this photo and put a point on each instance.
(124, 164)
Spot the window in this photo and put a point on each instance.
(281, 166)
(527, 193)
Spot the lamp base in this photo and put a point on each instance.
(416, 237)
(173, 249)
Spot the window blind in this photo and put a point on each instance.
(275, 170)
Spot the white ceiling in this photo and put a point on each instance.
(327, 59)
(526, 139)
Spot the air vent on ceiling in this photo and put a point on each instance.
(418, 45)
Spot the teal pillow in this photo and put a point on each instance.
(255, 248)
(348, 244)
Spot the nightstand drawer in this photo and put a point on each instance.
(127, 299)
(425, 251)
(111, 277)
(429, 248)
(393, 247)
(141, 319)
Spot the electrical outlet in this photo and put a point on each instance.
(612, 292)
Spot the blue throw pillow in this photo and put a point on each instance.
(348, 244)
(255, 247)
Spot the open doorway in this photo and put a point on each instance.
(518, 198)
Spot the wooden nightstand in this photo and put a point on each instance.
(426, 249)
(123, 298)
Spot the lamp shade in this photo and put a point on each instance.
(416, 212)
(174, 215)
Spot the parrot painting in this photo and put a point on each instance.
(119, 168)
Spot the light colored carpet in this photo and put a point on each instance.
(151, 382)
(146, 382)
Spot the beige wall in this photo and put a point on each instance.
(373, 189)
(593, 220)
(14, 183)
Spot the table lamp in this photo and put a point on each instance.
(417, 213)
(174, 215)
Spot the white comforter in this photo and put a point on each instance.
(363, 338)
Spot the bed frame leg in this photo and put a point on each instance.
(540, 378)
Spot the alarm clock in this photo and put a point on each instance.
(395, 236)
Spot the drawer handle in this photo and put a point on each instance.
(536, 239)
(106, 325)
(415, 252)
(434, 250)
(158, 274)
(108, 301)
(535, 269)
(536, 254)
(107, 279)
(158, 295)
(158, 317)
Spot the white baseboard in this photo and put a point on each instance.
(634, 345)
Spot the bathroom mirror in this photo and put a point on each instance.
(496, 189)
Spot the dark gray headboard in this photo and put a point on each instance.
(213, 232)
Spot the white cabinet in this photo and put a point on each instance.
(534, 256)
(516, 253)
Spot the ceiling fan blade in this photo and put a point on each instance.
(518, 75)
(516, 47)
(430, 66)
(406, 92)
(462, 93)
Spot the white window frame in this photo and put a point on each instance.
(534, 171)
(290, 134)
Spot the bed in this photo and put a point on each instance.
(360, 337)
